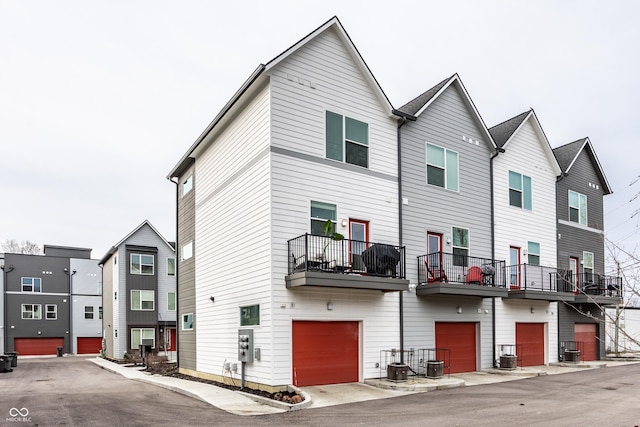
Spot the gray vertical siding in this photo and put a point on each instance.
(186, 272)
(108, 289)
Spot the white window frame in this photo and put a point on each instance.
(466, 248)
(186, 251)
(142, 264)
(187, 185)
(185, 320)
(169, 294)
(141, 337)
(521, 190)
(585, 266)
(34, 282)
(171, 265)
(346, 140)
(580, 197)
(33, 309)
(447, 185)
(531, 253)
(100, 312)
(320, 220)
(54, 311)
(141, 296)
(88, 312)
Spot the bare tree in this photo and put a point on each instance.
(24, 247)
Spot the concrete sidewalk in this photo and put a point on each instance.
(336, 394)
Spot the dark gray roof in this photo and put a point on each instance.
(503, 131)
(565, 154)
(416, 104)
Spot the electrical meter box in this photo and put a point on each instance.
(245, 345)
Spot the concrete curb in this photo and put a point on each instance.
(422, 386)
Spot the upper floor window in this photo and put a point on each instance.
(442, 167)
(320, 213)
(171, 266)
(577, 208)
(171, 301)
(142, 264)
(347, 140)
(533, 253)
(587, 265)
(31, 284)
(187, 322)
(32, 311)
(100, 312)
(143, 300)
(460, 243)
(187, 251)
(51, 311)
(187, 185)
(88, 312)
(519, 190)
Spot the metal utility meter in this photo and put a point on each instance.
(245, 345)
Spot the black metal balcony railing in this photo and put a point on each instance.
(536, 278)
(591, 284)
(441, 267)
(320, 253)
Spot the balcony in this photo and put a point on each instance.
(536, 282)
(348, 264)
(442, 273)
(594, 288)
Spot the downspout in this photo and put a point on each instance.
(558, 179)
(6, 269)
(493, 253)
(401, 122)
(176, 263)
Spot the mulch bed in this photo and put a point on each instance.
(171, 370)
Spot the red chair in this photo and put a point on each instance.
(435, 275)
(474, 275)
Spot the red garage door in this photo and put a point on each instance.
(586, 332)
(324, 352)
(460, 339)
(37, 346)
(530, 339)
(89, 345)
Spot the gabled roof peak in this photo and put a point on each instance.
(567, 155)
(502, 132)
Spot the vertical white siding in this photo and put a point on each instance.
(232, 250)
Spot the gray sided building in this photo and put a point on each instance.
(139, 293)
(37, 300)
(581, 257)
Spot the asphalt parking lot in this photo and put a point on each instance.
(73, 391)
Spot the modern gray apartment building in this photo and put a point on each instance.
(50, 301)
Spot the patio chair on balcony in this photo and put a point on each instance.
(474, 275)
(435, 275)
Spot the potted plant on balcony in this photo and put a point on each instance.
(328, 230)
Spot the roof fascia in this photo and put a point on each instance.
(113, 249)
(546, 146)
(180, 166)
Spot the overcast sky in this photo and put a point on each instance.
(100, 99)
